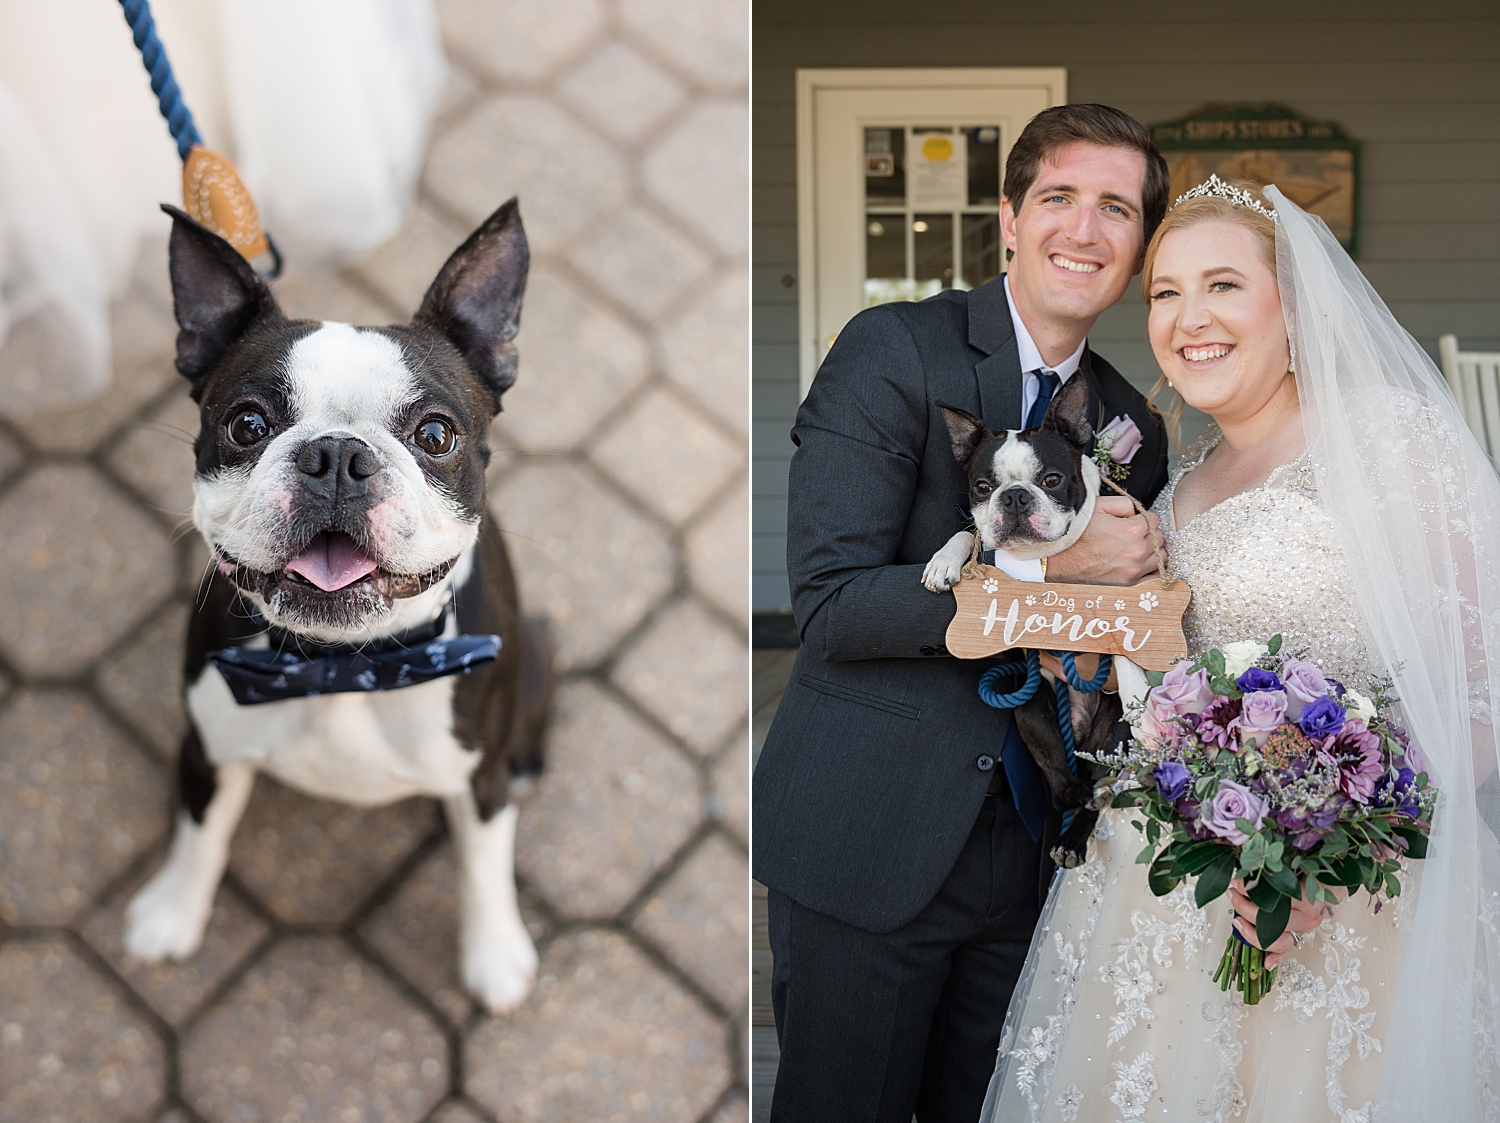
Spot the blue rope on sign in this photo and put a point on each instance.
(163, 85)
(1032, 669)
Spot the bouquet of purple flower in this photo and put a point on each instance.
(1251, 764)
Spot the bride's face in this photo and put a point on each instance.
(1215, 320)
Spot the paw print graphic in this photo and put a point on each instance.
(990, 585)
(1149, 601)
(1031, 600)
(1119, 604)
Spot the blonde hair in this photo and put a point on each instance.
(1205, 208)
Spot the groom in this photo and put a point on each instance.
(905, 874)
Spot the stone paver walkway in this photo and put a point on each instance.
(326, 990)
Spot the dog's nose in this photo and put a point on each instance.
(1016, 500)
(337, 467)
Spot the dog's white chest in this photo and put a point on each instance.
(365, 749)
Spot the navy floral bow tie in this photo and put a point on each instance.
(293, 668)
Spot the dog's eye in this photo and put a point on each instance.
(1052, 479)
(248, 427)
(983, 487)
(434, 436)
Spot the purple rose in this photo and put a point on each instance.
(1304, 683)
(1172, 779)
(1257, 679)
(1121, 438)
(1322, 718)
(1216, 726)
(1415, 758)
(1182, 693)
(1260, 714)
(1355, 756)
(1231, 803)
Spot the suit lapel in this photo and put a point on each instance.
(998, 375)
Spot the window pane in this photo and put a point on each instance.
(932, 244)
(885, 246)
(984, 166)
(885, 168)
(981, 248)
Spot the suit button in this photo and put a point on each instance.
(985, 763)
(926, 651)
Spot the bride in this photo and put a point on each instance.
(1339, 500)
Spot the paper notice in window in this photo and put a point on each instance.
(938, 175)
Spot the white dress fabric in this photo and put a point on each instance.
(324, 105)
(1118, 1016)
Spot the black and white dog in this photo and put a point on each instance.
(340, 485)
(1031, 494)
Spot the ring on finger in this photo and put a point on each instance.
(1297, 939)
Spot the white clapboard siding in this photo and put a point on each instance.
(1474, 377)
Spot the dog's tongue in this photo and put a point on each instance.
(331, 561)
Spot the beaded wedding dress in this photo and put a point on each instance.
(1122, 1018)
(1377, 554)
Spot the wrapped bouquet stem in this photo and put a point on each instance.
(1254, 766)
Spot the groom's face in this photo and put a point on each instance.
(1078, 234)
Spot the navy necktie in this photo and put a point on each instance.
(1028, 787)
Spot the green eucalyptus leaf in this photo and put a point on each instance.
(1153, 678)
(1146, 855)
(1273, 644)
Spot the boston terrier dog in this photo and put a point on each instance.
(1031, 494)
(358, 635)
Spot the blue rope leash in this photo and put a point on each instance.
(163, 85)
(1032, 669)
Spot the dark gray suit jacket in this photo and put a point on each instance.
(868, 783)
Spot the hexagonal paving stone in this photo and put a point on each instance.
(606, 1038)
(79, 563)
(71, 1049)
(417, 931)
(701, 171)
(640, 261)
(143, 339)
(718, 553)
(730, 801)
(175, 989)
(668, 455)
(78, 803)
(404, 268)
(701, 918)
(143, 681)
(584, 558)
(690, 671)
(156, 457)
(613, 805)
(314, 1032)
(709, 39)
(579, 361)
(705, 347)
(524, 145)
(620, 91)
(312, 860)
(519, 39)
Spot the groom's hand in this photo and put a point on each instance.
(1115, 548)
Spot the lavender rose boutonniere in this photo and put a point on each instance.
(1115, 447)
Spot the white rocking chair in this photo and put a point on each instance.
(1474, 378)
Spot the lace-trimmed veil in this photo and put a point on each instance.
(1415, 504)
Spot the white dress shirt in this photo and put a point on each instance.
(1031, 358)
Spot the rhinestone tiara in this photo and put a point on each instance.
(1213, 185)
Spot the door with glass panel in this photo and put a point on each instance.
(898, 184)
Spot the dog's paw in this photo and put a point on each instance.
(165, 920)
(500, 967)
(1066, 857)
(941, 574)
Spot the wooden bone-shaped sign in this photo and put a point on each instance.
(1141, 622)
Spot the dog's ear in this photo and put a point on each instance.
(965, 430)
(215, 295)
(1068, 414)
(476, 299)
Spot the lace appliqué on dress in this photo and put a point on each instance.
(1133, 1086)
(1130, 972)
(1342, 998)
(1069, 1102)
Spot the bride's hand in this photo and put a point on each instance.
(1306, 915)
(1113, 550)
